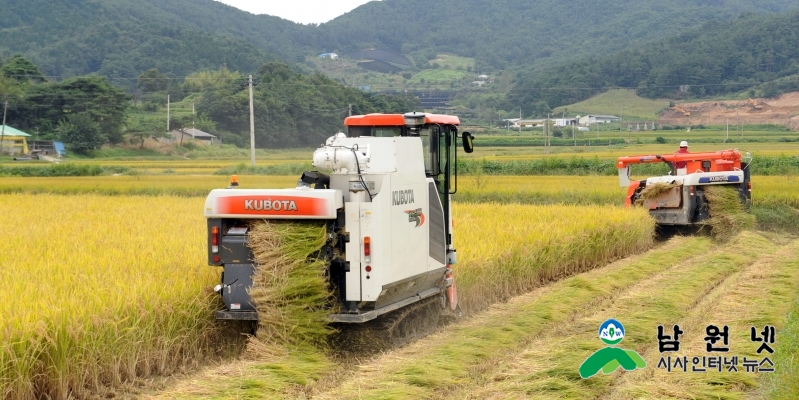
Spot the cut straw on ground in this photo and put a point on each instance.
(465, 352)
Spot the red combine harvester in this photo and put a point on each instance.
(685, 203)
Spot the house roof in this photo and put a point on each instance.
(196, 133)
(9, 131)
(603, 116)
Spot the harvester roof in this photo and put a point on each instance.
(397, 120)
(724, 160)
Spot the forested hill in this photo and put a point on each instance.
(121, 39)
(124, 38)
(506, 32)
(754, 52)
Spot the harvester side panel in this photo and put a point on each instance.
(370, 227)
(354, 249)
(438, 240)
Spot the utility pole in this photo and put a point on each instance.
(192, 115)
(573, 135)
(167, 113)
(3, 132)
(520, 120)
(252, 128)
(546, 139)
(349, 107)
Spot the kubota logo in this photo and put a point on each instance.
(400, 197)
(416, 216)
(268, 205)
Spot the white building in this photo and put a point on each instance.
(565, 121)
(598, 119)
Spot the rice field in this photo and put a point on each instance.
(505, 189)
(121, 290)
(99, 290)
(758, 149)
(113, 276)
(144, 185)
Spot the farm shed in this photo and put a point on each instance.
(13, 141)
(196, 134)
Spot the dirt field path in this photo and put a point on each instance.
(533, 345)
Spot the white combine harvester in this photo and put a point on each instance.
(386, 200)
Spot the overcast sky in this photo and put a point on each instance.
(302, 11)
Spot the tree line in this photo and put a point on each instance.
(291, 109)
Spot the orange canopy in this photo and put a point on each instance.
(397, 120)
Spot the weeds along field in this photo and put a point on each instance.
(101, 290)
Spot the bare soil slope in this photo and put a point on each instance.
(783, 110)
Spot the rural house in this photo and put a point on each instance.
(196, 134)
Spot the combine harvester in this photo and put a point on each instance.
(387, 207)
(679, 199)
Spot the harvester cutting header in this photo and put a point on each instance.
(679, 197)
(385, 201)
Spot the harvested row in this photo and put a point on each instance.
(463, 352)
(757, 296)
(547, 367)
(532, 346)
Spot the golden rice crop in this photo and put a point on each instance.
(157, 185)
(577, 190)
(770, 190)
(505, 250)
(98, 290)
(759, 149)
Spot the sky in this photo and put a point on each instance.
(302, 11)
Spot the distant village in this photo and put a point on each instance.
(582, 123)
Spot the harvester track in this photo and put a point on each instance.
(388, 331)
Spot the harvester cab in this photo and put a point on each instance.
(385, 198)
(680, 199)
